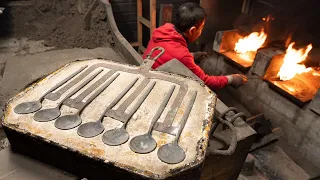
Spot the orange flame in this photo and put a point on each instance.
(250, 43)
(315, 73)
(291, 66)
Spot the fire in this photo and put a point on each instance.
(250, 43)
(291, 66)
(315, 73)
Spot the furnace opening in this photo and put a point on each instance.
(292, 73)
(241, 48)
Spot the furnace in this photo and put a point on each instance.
(124, 120)
(240, 47)
(289, 74)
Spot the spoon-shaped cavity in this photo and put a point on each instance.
(146, 143)
(116, 137)
(172, 153)
(71, 121)
(33, 106)
(50, 114)
(92, 129)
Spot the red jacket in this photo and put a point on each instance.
(176, 47)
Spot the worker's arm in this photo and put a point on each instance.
(214, 82)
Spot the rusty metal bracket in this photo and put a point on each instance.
(148, 62)
(233, 143)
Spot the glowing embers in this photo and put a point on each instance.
(289, 73)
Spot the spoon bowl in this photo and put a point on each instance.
(90, 129)
(28, 107)
(171, 153)
(46, 115)
(68, 122)
(143, 144)
(115, 137)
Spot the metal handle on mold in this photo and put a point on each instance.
(151, 52)
(233, 143)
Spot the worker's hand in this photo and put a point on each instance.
(198, 56)
(236, 80)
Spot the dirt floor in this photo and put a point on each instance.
(58, 22)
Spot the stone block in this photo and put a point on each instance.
(310, 150)
(276, 164)
(251, 87)
(305, 119)
(226, 67)
(314, 132)
(290, 133)
(273, 116)
(285, 107)
(264, 93)
(209, 65)
(315, 103)
(263, 59)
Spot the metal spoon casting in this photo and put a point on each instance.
(33, 106)
(71, 121)
(115, 137)
(172, 153)
(52, 113)
(146, 143)
(92, 129)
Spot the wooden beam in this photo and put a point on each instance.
(153, 14)
(165, 15)
(139, 14)
(142, 49)
(246, 6)
(134, 44)
(144, 21)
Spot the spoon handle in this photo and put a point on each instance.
(161, 108)
(62, 82)
(186, 116)
(117, 99)
(102, 88)
(138, 103)
(79, 87)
